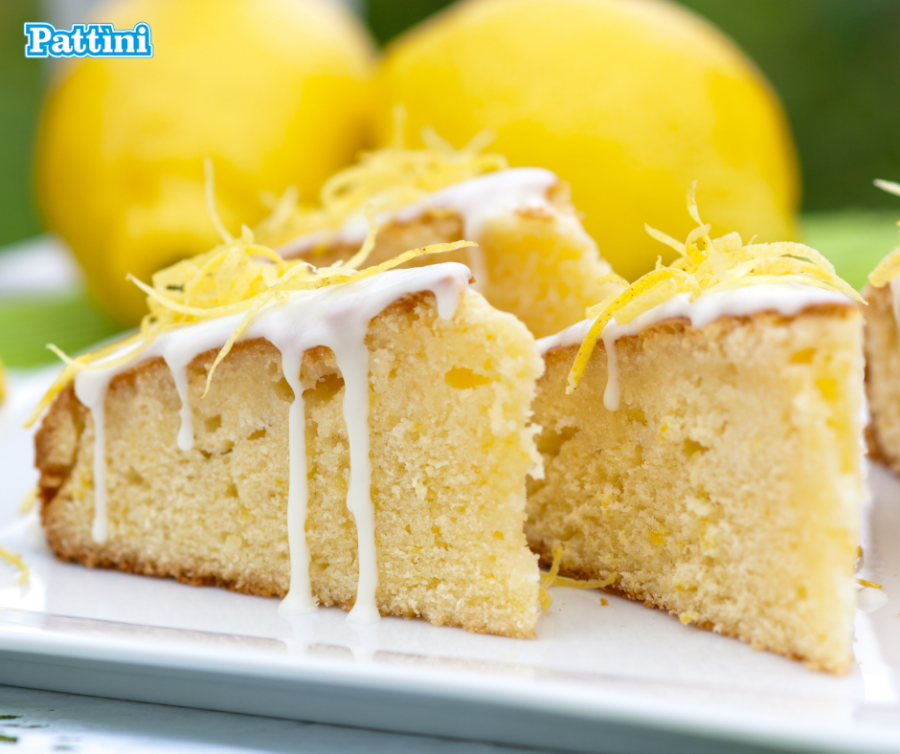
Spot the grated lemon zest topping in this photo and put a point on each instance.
(552, 578)
(889, 267)
(210, 193)
(870, 584)
(239, 275)
(707, 265)
(30, 501)
(589, 584)
(547, 580)
(15, 560)
(384, 181)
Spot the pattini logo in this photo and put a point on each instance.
(87, 40)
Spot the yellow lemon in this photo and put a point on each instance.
(275, 92)
(628, 100)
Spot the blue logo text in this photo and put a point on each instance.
(87, 40)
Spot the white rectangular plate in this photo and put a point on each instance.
(618, 677)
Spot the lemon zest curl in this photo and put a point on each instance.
(552, 578)
(706, 265)
(383, 181)
(239, 275)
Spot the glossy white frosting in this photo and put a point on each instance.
(336, 317)
(869, 599)
(787, 299)
(477, 201)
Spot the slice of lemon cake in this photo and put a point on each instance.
(533, 257)
(883, 355)
(702, 445)
(364, 442)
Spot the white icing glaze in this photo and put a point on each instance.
(353, 361)
(299, 598)
(612, 393)
(787, 299)
(336, 317)
(869, 599)
(186, 431)
(477, 201)
(92, 393)
(571, 336)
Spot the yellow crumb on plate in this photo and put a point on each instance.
(29, 502)
(552, 578)
(16, 560)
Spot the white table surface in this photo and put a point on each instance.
(49, 722)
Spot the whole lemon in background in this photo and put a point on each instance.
(275, 92)
(628, 100)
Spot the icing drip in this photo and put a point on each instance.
(179, 375)
(612, 393)
(100, 526)
(353, 361)
(299, 598)
(92, 393)
(336, 317)
(787, 299)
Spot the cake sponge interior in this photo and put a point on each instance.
(727, 487)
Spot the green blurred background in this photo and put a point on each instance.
(835, 64)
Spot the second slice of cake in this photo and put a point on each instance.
(533, 257)
(709, 459)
